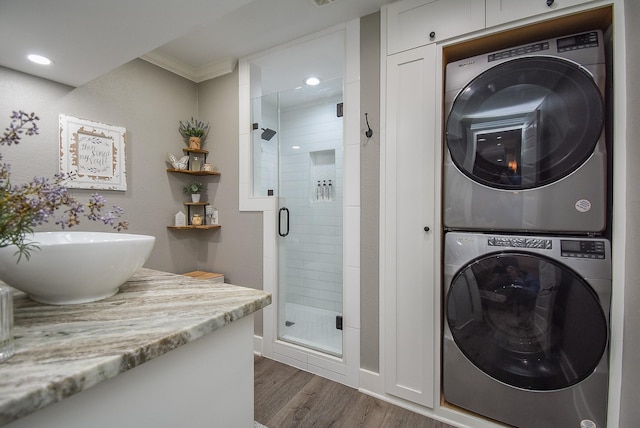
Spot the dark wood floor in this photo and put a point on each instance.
(288, 397)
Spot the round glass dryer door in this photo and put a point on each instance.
(525, 123)
(526, 321)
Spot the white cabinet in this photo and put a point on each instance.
(503, 11)
(413, 23)
(408, 225)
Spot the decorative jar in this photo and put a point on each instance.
(196, 220)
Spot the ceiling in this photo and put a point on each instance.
(197, 39)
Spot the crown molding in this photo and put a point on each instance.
(195, 74)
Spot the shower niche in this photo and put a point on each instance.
(322, 181)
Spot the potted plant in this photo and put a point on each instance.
(194, 132)
(194, 189)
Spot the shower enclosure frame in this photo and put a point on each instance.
(344, 369)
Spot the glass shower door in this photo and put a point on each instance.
(309, 237)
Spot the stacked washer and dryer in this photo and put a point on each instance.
(527, 275)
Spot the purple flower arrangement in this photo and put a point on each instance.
(25, 206)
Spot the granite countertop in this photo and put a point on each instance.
(63, 350)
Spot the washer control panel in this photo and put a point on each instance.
(582, 249)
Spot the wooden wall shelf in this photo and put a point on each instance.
(202, 226)
(189, 205)
(187, 171)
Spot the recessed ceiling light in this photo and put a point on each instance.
(39, 59)
(312, 81)
(295, 147)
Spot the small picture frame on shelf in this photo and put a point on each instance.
(180, 219)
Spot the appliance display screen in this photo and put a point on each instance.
(568, 41)
(571, 246)
(583, 249)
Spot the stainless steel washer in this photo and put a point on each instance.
(527, 327)
(525, 138)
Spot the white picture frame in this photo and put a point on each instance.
(180, 219)
(93, 154)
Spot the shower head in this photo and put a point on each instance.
(267, 134)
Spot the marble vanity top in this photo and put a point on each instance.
(63, 350)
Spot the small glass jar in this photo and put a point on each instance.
(196, 163)
(6, 323)
(196, 220)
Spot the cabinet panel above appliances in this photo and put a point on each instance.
(503, 11)
(413, 23)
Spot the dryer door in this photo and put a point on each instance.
(525, 123)
(526, 320)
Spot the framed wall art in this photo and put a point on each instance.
(93, 154)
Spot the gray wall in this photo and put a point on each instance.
(630, 411)
(236, 249)
(148, 102)
(370, 193)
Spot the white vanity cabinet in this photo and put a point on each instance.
(503, 11)
(413, 23)
(408, 221)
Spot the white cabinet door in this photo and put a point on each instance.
(502, 11)
(408, 192)
(413, 23)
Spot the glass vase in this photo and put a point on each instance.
(6, 323)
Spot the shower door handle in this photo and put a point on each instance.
(280, 222)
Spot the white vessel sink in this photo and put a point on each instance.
(75, 267)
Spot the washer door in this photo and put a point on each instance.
(526, 320)
(525, 123)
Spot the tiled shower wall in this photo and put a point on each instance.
(313, 264)
(265, 153)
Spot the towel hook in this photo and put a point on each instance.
(369, 132)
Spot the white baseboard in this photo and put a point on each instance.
(372, 384)
(257, 345)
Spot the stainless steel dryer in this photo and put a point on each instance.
(525, 138)
(527, 327)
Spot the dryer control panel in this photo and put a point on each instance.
(582, 249)
(578, 41)
(522, 50)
